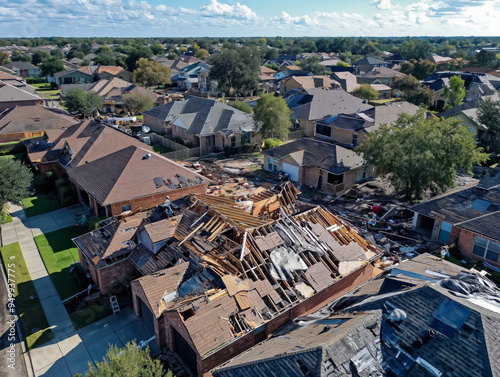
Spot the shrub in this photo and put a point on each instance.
(272, 143)
(36, 80)
(64, 191)
(60, 182)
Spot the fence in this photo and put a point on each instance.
(167, 143)
(183, 154)
(294, 135)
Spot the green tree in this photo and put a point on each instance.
(343, 64)
(411, 90)
(236, 70)
(419, 154)
(57, 53)
(38, 56)
(243, 106)
(455, 93)
(416, 49)
(20, 56)
(15, 180)
(201, 53)
(487, 59)
(273, 66)
(4, 57)
(150, 73)
(272, 115)
(51, 66)
(135, 54)
(76, 99)
(488, 114)
(419, 69)
(366, 91)
(157, 49)
(129, 361)
(271, 53)
(105, 58)
(313, 65)
(138, 102)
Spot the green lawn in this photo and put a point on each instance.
(34, 324)
(36, 205)
(139, 117)
(88, 315)
(4, 219)
(15, 156)
(161, 149)
(59, 253)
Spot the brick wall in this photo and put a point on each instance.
(466, 245)
(115, 278)
(342, 136)
(309, 175)
(155, 124)
(138, 293)
(153, 200)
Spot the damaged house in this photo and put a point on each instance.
(205, 123)
(217, 278)
(467, 217)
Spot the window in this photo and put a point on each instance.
(335, 179)
(126, 207)
(354, 139)
(486, 249)
(323, 130)
(233, 141)
(365, 171)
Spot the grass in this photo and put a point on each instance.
(139, 117)
(36, 205)
(93, 222)
(59, 253)
(161, 149)
(27, 304)
(4, 219)
(88, 315)
(15, 156)
(382, 101)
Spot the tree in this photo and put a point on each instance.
(51, 66)
(38, 56)
(313, 65)
(243, 106)
(150, 73)
(15, 180)
(419, 154)
(488, 114)
(138, 102)
(487, 59)
(20, 56)
(76, 99)
(272, 115)
(271, 54)
(135, 54)
(4, 57)
(157, 49)
(455, 93)
(57, 53)
(236, 70)
(105, 58)
(419, 69)
(416, 49)
(202, 54)
(412, 91)
(129, 361)
(343, 64)
(366, 91)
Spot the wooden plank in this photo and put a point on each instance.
(191, 234)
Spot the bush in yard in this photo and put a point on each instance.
(272, 143)
(60, 182)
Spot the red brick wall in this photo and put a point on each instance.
(138, 293)
(309, 175)
(115, 278)
(466, 244)
(152, 201)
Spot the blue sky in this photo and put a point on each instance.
(192, 18)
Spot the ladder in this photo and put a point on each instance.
(114, 305)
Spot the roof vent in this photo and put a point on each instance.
(146, 157)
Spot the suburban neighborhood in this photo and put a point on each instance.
(238, 206)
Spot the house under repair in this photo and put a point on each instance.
(220, 275)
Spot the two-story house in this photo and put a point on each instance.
(23, 69)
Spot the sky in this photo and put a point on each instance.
(230, 18)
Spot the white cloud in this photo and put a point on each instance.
(300, 20)
(382, 4)
(238, 11)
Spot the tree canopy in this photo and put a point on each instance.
(416, 49)
(51, 66)
(488, 114)
(15, 181)
(138, 102)
(135, 54)
(419, 69)
(4, 57)
(151, 73)
(313, 65)
(129, 361)
(455, 93)
(273, 115)
(410, 89)
(419, 154)
(236, 70)
(76, 99)
(38, 56)
(243, 106)
(366, 91)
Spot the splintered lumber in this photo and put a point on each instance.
(191, 234)
(243, 246)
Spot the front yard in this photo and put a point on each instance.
(59, 253)
(33, 321)
(36, 205)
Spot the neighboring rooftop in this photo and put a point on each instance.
(9, 93)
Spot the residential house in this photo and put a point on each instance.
(379, 75)
(188, 77)
(367, 64)
(467, 217)
(347, 81)
(267, 81)
(351, 129)
(112, 91)
(24, 69)
(397, 59)
(384, 91)
(23, 122)
(490, 71)
(282, 60)
(111, 171)
(11, 96)
(75, 62)
(289, 70)
(174, 65)
(467, 114)
(205, 123)
(16, 81)
(267, 71)
(307, 82)
(219, 285)
(105, 72)
(318, 164)
(311, 105)
(72, 76)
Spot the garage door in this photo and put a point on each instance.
(291, 170)
(186, 353)
(147, 317)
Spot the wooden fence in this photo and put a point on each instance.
(183, 154)
(167, 143)
(294, 135)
